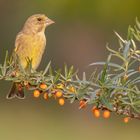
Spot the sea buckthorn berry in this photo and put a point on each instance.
(45, 96)
(58, 94)
(126, 119)
(36, 93)
(72, 89)
(96, 112)
(61, 101)
(82, 104)
(43, 86)
(106, 114)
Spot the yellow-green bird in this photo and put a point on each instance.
(30, 43)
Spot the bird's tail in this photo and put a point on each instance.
(16, 92)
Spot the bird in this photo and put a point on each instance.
(30, 43)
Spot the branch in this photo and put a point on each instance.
(115, 88)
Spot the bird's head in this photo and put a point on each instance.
(37, 23)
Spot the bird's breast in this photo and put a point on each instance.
(38, 47)
(32, 47)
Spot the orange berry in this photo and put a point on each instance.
(58, 94)
(96, 112)
(126, 119)
(43, 86)
(72, 89)
(61, 101)
(45, 96)
(36, 93)
(82, 104)
(106, 114)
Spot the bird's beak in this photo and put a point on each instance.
(49, 21)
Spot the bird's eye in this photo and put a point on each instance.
(39, 19)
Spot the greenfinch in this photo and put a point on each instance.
(30, 43)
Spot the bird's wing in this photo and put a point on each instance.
(19, 41)
(22, 48)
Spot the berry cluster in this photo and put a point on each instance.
(56, 93)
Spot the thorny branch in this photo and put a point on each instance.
(114, 88)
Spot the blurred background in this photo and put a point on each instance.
(78, 38)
